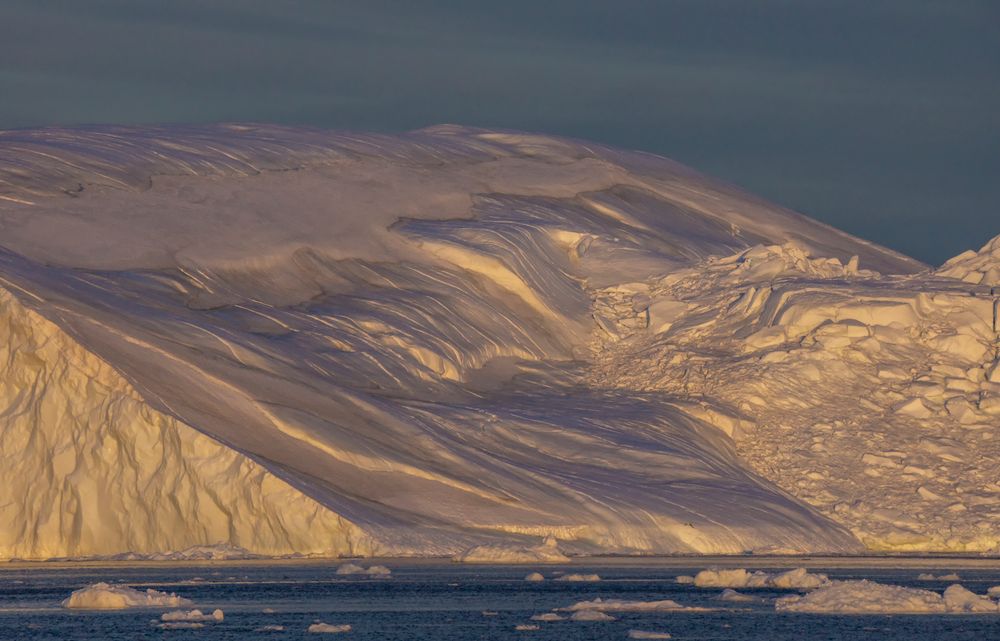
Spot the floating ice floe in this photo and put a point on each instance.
(525, 627)
(617, 605)
(927, 576)
(798, 578)
(591, 615)
(270, 628)
(870, 597)
(546, 552)
(327, 628)
(548, 616)
(374, 570)
(180, 625)
(732, 595)
(104, 596)
(579, 577)
(192, 615)
(534, 576)
(646, 634)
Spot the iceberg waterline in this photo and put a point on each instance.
(296, 341)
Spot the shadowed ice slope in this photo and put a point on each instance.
(410, 345)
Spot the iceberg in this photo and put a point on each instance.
(268, 341)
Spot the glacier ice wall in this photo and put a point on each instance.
(89, 468)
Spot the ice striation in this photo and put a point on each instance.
(467, 342)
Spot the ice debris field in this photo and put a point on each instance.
(425, 599)
(243, 340)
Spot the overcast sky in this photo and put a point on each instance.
(879, 117)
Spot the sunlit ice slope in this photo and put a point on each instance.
(303, 341)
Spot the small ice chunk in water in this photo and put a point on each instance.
(685, 579)
(868, 596)
(732, 595)
(104, 596)
(646, 634)
(591, 615)
(927, 576)
(327, 628)
(579, 577)
(270, 628)
(617, 605)
(525, 627)
(799, 578)
(546, 552)
(353, 568)
(534, 576)
(192, 615)
(181, 625)
(547, 616)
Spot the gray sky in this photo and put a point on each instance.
(881, 117)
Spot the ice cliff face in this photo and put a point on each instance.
(302, 341)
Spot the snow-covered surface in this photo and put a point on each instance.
(799, 578)
(461, 342)
(104, 596)
(871, 597)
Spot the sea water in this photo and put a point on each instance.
(444, 601)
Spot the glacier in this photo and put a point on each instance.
(294, 341)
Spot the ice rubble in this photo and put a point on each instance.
(799, 578)
(104, 596)
(869, 597)
(301, 341)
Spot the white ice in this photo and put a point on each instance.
(192, 615)
(104, 596)
(871, 597)
(799, 578)
(373, 570)
(268, 341)
(328, 628)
